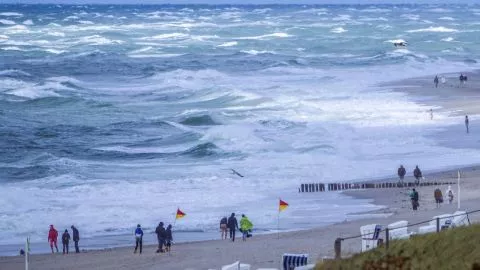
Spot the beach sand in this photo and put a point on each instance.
(267, 250)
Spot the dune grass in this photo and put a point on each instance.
(456, 249)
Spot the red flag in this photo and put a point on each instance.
(180, 214)
(282, 206)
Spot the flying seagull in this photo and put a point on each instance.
(237, 173)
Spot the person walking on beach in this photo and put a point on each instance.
(449, 193)
(245, 227)
(232, 225)
(466, 123)
(435, 81)
(401, 173)
(138, 238)
(169, 238)
(223, 227)
(414, 197)
(76, 238)
(65, 240)
(418, 174)
(437, 194)
(161, 235)
(52, 238)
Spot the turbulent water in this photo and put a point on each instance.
(116, 115)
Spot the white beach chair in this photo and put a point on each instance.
(398, 230)
(370, 234)
(292, 261)
(460, 218)
(236, 266)
(445, 219)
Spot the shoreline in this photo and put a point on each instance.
(318, 241)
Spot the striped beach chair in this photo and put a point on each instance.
(290, 261)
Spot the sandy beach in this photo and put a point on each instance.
(266, 250)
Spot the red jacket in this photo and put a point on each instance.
(52, 235)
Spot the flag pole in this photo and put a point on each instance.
(278, 220)
(458, 190)
(27, 249)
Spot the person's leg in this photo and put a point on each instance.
(141, 245)
(51, 245)
(67, 247)
(136, 245)
(63, 248)
(233, 239)
(56, 247)
(231, 233)
(77, 250)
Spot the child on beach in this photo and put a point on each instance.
(65, 240)
(169, 238)
(449, 193)
(52, 238)
(138, 238)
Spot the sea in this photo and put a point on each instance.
(118, 115)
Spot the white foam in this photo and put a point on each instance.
(413, 17)
(56, 34)
(7, 22)
(11, 14)
(167, 36)
(4, 37)
(11, 48)
(28, 22)
(439, 29)
(396, 41)
(274, 35)
(86, 22)
(255, 52)
(446, 19)
(141, 50)
(338, 30)
(448, 39)
(159, 55)
(228, 44)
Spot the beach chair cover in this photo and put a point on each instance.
(398, 230)
(290, 261)
(233, 266)
(461, 220)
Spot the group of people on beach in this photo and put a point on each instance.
(231, 225)
(437, 195)
(53, 236)
(463, 79)
(417, 173)
(164, 238)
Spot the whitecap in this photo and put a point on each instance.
(413, 17)
(28, 22)
(71, 18)
(375, 10)
(144, 49)
(17, 29)
(11, 48)
(446, 19)
(440, 10)
(86, 22)
(167, 36)
(7, 22)
(56, 34)
(11, 14)
(396, 41)
(342, 17)
(255, 52)
(433, 29)
(54, 51)
(448, 39)
(228, 44)
(338, 30)
(274, 35)
(3, 37)
(165, 55)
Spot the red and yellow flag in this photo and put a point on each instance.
(282, 206)
(180, 214)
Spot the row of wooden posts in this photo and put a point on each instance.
(321, 187)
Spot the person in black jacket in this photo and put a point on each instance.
(418, 174)
(65, 240)
(232, 225)
(161, 236)
(401, 173)
(76, 238)
(169, 238)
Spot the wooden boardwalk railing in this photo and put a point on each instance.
(321, 187)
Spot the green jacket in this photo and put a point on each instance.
(245, 224)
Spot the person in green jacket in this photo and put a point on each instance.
(245, 226)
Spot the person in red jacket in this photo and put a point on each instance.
(52, 238)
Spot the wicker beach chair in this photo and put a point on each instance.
(370, 236)
(292, 261)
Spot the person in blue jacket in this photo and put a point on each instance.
(138, 238)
